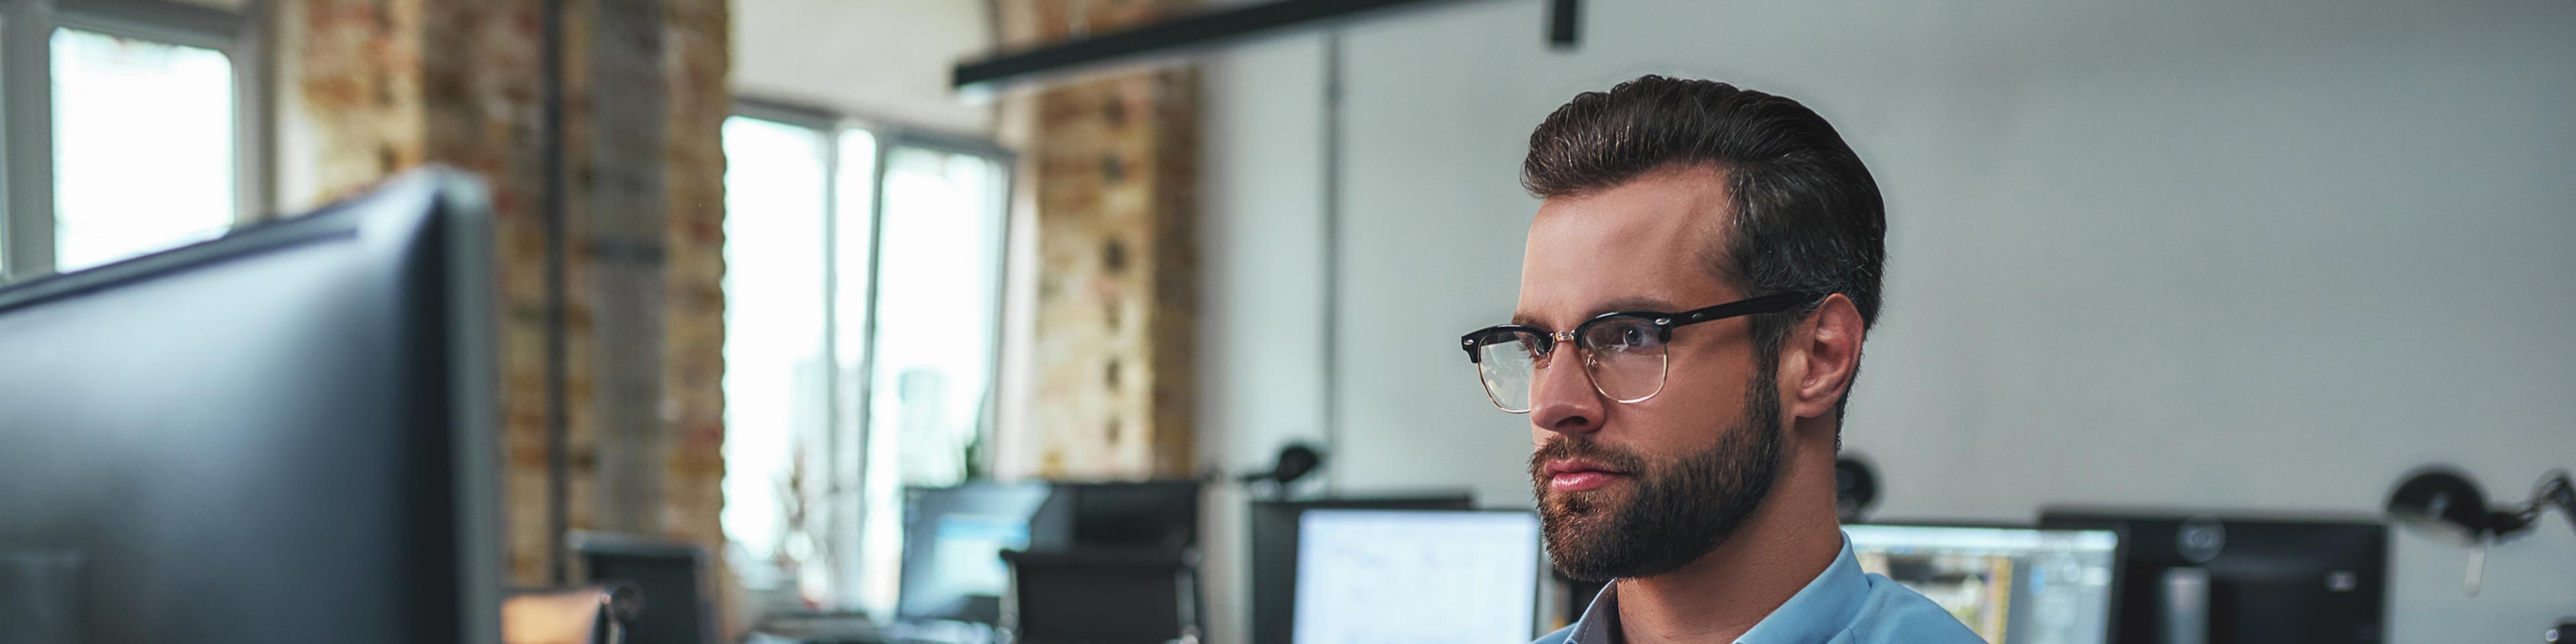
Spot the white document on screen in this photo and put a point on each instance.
(1416, 577)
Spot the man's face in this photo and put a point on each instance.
(1639, 489)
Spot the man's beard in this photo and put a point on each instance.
(1682, 508)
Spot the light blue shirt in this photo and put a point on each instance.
(1843, 605)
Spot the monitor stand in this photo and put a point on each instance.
(2185, 606)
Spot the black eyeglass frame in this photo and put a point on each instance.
(1664, 323)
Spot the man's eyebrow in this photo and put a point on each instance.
(1638, 303)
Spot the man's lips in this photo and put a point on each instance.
(1576, 475)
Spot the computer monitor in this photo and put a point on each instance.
(2243, 580)
(2010, 585)
(1274, 553)
(1419, 576)
(1161, 516)
(669, 576)
(953, 538)
(283, 435)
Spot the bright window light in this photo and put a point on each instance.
(937, 311)
(143, 147)
(774, 376)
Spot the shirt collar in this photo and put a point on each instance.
(1821, 610)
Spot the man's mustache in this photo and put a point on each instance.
(1562, 447)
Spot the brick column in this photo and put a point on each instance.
(1113, 164)
(371, 87)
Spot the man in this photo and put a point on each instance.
(1694, 294)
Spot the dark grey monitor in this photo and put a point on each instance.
(2242, 580)
(1143, 516)
(283, 435)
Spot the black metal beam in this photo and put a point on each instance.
(1167, 37)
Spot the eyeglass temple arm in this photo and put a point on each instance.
(1772, 303)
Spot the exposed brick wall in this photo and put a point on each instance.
(697, 56)
(386, 85)
(1113, 164)
(383, 85)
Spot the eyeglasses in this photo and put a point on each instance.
(1623, 351)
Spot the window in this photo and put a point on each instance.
(774, 376)
(861, 343)
(113, 99)
(129, 131)
(938, 319)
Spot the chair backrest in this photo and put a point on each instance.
(667, 577)
(1102, 597)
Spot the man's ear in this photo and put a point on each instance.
(1828, 348)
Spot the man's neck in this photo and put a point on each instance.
(1790, 540)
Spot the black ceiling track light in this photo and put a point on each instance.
(1202, 30)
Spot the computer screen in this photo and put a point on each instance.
(283, 435)
(953, 538)
(2010, 585)
(1416, 576)
(1274, 552)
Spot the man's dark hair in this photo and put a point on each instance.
(1807, 215)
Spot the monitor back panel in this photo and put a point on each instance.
(259, 438)
(2266, 580)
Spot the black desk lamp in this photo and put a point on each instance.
(1295, 462)
(2443, 503)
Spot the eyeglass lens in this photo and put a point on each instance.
(1624, 358)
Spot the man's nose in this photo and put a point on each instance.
(1562, 398)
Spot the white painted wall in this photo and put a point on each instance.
(878, 59)
(2209, 254)
(1260, 365)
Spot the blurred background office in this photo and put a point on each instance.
(780, 285)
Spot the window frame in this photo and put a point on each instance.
(849, 405)
(27, 28)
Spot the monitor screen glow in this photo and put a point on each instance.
(1416, 576)
(2010, 585)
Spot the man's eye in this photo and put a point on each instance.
(1634, 337)
(1624, 337)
